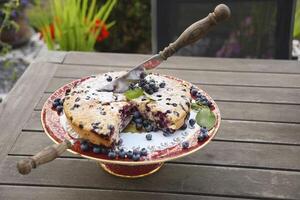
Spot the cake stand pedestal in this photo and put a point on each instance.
(131, 171)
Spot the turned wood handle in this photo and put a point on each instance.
(46, 155)
(197, 30)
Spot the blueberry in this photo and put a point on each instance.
(155, 89)
(97, 149)
(192, 122)
(185, 145)
(194, 91)
(143, 75)
(57, 100)
(150, 91)
(136, 157)
(149, 137)
(112, 155)
(145, 123)
(84, 146)
(122, 154)
(152, 85)
(138, 120)
(135, 151)
(162, 84)
(136, 114)
(148, 128)
(104, 150)
(203, 130)
(146, 87)
(59, 109)
(144, 152)
(55, 104)
(199, 95)
(109, 79)
(129, 154)
(202, 136)
(209, 103)
(183, 127)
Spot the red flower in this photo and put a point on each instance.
(52, 33)
(103, 33)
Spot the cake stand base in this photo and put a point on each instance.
(131, 171)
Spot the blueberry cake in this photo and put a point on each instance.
(100, 116)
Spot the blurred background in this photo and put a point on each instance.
(262, 29)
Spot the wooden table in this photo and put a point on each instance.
(255, 155)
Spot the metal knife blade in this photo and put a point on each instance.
(121, 84)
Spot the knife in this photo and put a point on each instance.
(192, 34)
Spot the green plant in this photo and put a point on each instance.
(72, 24)
(297, 21)
(7, 22)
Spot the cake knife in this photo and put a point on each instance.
(192, 34)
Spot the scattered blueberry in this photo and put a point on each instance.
(138, 120)
(122, 154)
(104, 151)
(143, 75)
(183, 127)
(185, 145)
(194, 91)
(136, 157)
(162, 84)
(61, 102)
(192, 122)
(150, 91)
(135, 151)
(84, 146)
(57, 100)
(149, 137)
(59, 109)
(55, 104)
(129, 154)
(112, 155)
(202, 136)
(148, 127)
(109, 79)
(97, 149)
(203, 130)
(144, 152)
(136, 114)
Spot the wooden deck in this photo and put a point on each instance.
(255, 155)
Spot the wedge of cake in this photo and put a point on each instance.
(97, 116)
(168, 105)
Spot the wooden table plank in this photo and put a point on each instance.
(51, 56)
(239, 94)
(179, 62)
(17, 106)
(235, 130)
(200, 77)
(216, 153)
(50, 193)
(187, 179)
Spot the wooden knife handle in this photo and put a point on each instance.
(197, 30)
(46, 155)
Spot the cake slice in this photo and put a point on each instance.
(97, 116)
(169, 106)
